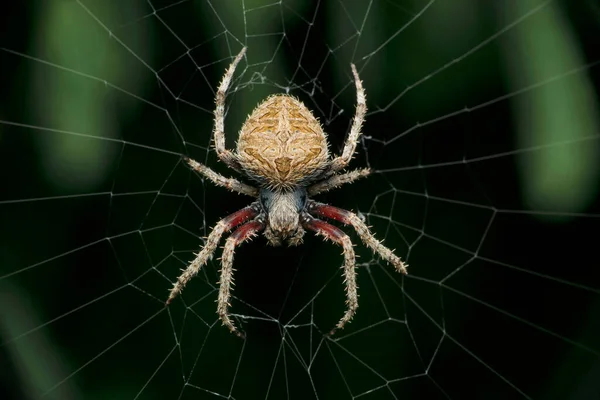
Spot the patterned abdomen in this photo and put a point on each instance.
(282, 145)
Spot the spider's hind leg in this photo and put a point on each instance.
(340, 162)
(224, 154)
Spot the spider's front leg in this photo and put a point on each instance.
(240, 235)
(338, 236)
(349, 218)
(224, 225)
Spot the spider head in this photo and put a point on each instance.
(283, 210)
(282, 145)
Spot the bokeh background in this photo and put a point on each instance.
(483, 132)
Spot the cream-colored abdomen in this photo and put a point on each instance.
(282, 144)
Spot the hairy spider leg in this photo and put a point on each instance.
(341, 161)
(240, 235)
(231, 184)
(224, 225)
(349, 218)
(224, 154)
(336, 181)
(338, 236)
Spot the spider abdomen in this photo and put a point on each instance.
(281, 144)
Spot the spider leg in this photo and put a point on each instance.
(342, 161)
(336, 181)
(229, 183)
(240, 235)
(338, 236)
(224, 225)
(348, 217)
(219, 133)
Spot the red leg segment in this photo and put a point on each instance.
(241, 234)
(238, 217)
(338, 236)
(329, 231)
(245, 231)
(349, 218)
(224, 225)
(330, 212)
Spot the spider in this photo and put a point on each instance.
(283, 148)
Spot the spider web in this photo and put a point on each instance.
(483, 136)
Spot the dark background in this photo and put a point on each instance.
(483, 132)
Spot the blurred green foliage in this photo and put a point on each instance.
(560, 112)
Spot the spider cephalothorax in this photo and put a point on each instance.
(283, 148)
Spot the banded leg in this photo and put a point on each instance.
(342, 161)
(240, 235)
(348, 217)
(219, 133)
(224, 225)
(338, 236)
(229, 183)
(337, 180)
